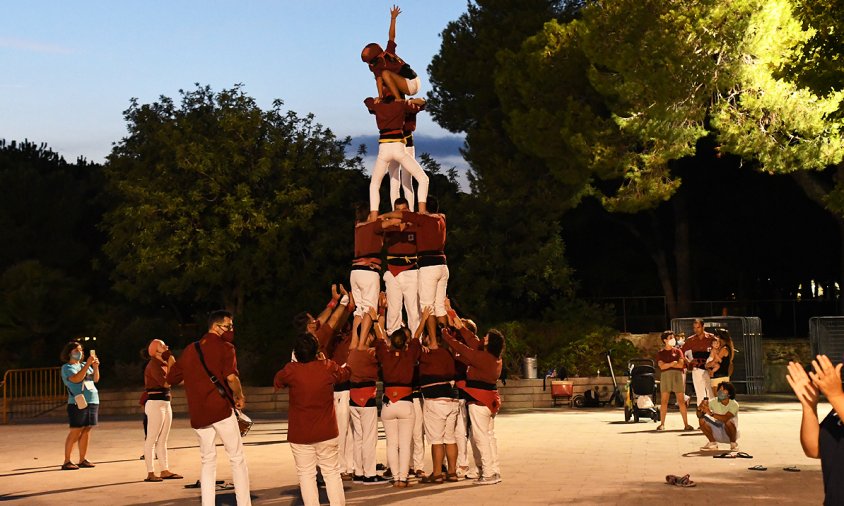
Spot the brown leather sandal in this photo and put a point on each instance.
(451, 477)
(433, 479)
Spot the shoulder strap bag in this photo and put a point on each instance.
(243, 422)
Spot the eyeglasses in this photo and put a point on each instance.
(230, 326)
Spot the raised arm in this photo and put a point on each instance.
(329, 308)
(807, 394)
(394, 13)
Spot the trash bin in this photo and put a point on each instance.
(529, 368)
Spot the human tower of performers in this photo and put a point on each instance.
(439, 378)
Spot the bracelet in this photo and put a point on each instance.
(332, 303)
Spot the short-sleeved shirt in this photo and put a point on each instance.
(86, 386)
(205, 404)
(831, 447)
(722, 409)
(368, 242)
(311, 416)
(668, 356)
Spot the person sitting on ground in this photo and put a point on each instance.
(719, 418)
(824, 440)
(671, 364)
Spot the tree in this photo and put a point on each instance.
(615, 99)
(214, 198)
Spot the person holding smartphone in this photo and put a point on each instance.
(83, 401)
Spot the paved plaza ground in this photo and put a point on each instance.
(549, 456)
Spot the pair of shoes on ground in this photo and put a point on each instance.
(70, 466)
(679, 481)
(432, 479)
(168, 476)
(402, 484)
(488, 480)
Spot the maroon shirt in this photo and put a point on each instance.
(700, 348)
(389, 60)
(340, 353)
(324, 335)
(155, 374)
(430, 232)
(400, 243)
(483, 366)
(311, 416)
(390, 115)
(205, 405)
(668, 356)
(436, 366)
(369, 239)
(397, 365)
(364, 366)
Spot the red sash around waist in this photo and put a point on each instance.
(362, 395)
(488, 398)
(397, 393)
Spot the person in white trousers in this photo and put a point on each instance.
(696, 350)
(158, 410)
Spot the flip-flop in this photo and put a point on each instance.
(173, 476)
(725, 455)
(154, 479)
(758, 467)
(225, 486)
(198, 484)
(679, 481)
(743, 455)
(791, 469)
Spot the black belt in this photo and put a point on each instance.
(158, 394)
(401, 260)
(427, 380)
(431, 261)
(362, 384)
(386, 400)
(431, 253)
(371, 267)
(481, 385)
(342, 387)
(443, 390)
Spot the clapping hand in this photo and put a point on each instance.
(826, 377)
(335, 295)
(803, 388)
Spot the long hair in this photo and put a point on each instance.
(724, 336)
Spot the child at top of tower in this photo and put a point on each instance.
(391, 72)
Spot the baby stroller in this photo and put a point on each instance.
(641, 391)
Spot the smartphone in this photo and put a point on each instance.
(93, 353)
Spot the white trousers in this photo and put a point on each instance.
(440, 421)
(394, 152)
(401, 180)
(159, 418)
(418, 441)
(461, 433)
(397, 418)
(365, 430)
(324, 454)
(345, 440)
(703, 387)
(433, 282)
(483, 437)
(366, 286)
(402, 290)
(229, 434)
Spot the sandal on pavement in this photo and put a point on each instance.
(743, 455)
(171, 476)
(85, 463)
(69, 466)
(154, 478)
(452, 477)
(725, 455)
(791, 469)
(688, 428)
(758, 467)
(660, 427)
(680, 481)
(433, 479)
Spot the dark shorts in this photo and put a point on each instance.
(82, 417)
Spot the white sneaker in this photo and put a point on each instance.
(474, 474)
(488, 480)
(733, 447)
(712, 445)
(462, 471)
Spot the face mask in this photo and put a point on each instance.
(166, 355)
(723, 396)
(228, 336)
(681, 342)
(76, 355)
(672, 342)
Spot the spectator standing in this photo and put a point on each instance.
(671, 364)
(80, 378)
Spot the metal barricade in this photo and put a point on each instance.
(28, 393)
(747, 340)
(826, 336)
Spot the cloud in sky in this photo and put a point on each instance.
(33, 46)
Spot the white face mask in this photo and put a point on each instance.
(672, 342)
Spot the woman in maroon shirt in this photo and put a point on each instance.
(398, 358)
(157, 409)
(312, 425)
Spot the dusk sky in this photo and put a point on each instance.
(70, 68)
